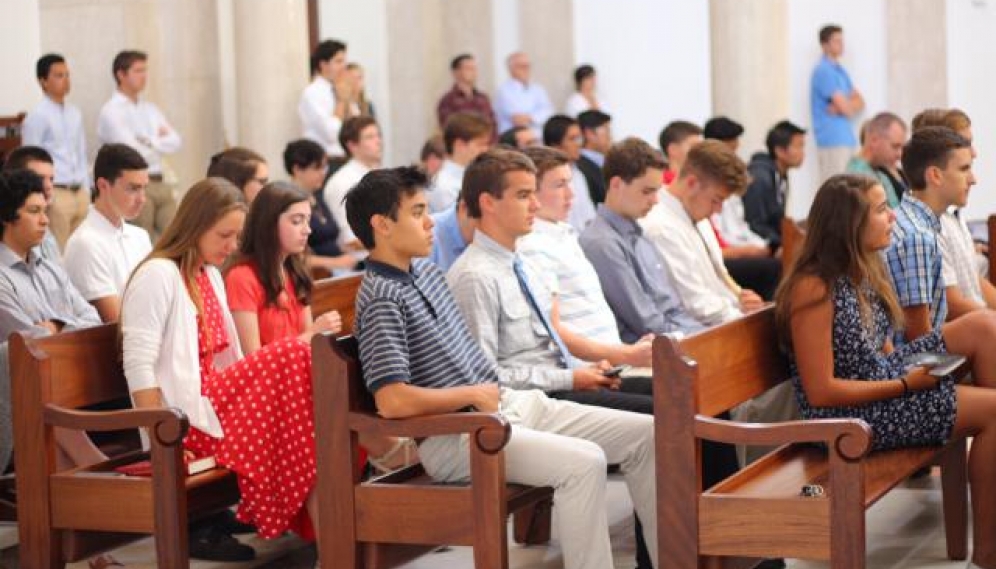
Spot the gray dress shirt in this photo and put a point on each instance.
(487, 291)
(635, 284)
(35, 291)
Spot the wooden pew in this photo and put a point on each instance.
(991, 252)
(398, 516)
(758, 512)
(10, 134)
(793, 236)
(66, 516)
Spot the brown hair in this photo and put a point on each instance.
(124, 60)
(955, 119)
(929, 146)
(486, 175)
(236, 164)
(261, 242)
(351, 130)
(204, 204)
(833, 248)
(464, 126)
(713, 160)
(629, 159)
(545, 159)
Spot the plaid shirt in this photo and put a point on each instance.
(914, 259)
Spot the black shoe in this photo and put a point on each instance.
(212, 544)
(227, 523)
(771, 564)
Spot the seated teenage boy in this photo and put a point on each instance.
(419, 358)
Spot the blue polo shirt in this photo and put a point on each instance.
(830, 130)
(447, 241)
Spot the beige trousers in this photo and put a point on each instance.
(160, 205)
(567, 446)
(68, 209)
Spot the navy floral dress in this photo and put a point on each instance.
(920, 418)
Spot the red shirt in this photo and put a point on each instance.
(455, 101)
(246, 294)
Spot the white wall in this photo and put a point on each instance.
(505, 26)
(20, 43)
(972, 88)
(864, 58)
(653, 61)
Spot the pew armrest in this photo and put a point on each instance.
(491, 430)
(849, 438)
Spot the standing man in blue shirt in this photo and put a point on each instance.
(834, 102)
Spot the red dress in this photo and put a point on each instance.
(246, 294)
(265, 407)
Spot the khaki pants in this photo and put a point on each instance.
(68, 209)
(567, 446)
(833, 160)
(160, 205)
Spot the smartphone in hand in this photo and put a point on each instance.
(615, 371)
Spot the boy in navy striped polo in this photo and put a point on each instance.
(419, 358)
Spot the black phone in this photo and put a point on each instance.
(615, 371)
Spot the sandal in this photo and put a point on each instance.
(104, 561)
(402, 454)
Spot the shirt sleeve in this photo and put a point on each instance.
(380, 333)
(635, 309)
(33, 130)
(909, 265)
(145, 313)
(245, 292)
(825, 84)
(169, 142)
(324, 121)
(12, 315)
(89, 272)
(478, 302)
(948, 262)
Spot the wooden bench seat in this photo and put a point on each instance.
(390, 519)
(758, 512)
(70, 515)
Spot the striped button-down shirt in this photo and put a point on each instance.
(914, 259)
(410, 331)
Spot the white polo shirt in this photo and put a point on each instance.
(100, 257)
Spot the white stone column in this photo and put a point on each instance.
(917, 55)
(271, 70)
(750, 65)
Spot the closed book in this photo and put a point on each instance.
(144, 467)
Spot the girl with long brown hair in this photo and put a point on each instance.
(836, 312)
(253, 414)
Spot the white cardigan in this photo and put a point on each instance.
(159, 326)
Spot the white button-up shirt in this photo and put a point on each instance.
(958, 266)
(336, 189)
(138, 125)
(100, 256)
(445, 188)
(58, 128)
(693, 260)
(316, 110)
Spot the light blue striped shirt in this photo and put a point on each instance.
(553, 248)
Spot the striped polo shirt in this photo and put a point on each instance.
(410, 330)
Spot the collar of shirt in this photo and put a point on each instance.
(918, 211)
(392, 272)
(120, 98)
(449, 227)
(485, 243)
(10, 259)
(456, 91)
(451, 169)
(597, 157)
(555, 229)
(624, 226)
(671, 202)
(321, 80)
(97, 220)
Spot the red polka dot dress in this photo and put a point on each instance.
(265, 407)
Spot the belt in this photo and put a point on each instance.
(68, 187)
(158, 178)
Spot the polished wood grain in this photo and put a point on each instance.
(758, 512)
(69, 515)
(793, 235)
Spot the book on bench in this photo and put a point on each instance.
(144, 467)
(938, 364)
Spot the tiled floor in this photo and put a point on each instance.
(904, 531)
